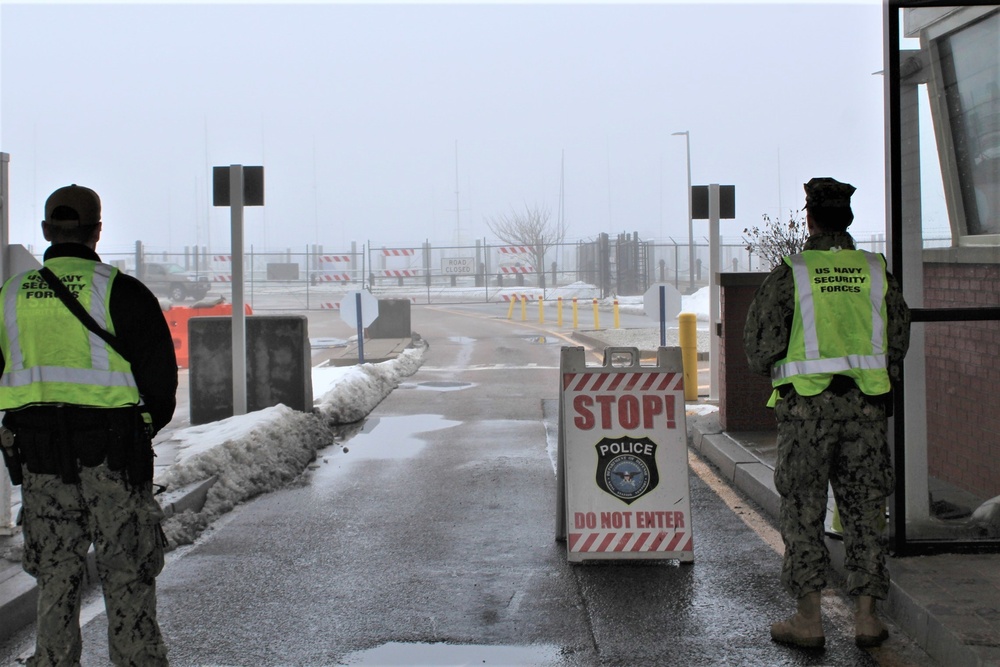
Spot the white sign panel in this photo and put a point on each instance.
(458, 266)
(349, 308)
(671, 302)
(626, 470)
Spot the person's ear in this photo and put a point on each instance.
(810, 224)
(45, 232)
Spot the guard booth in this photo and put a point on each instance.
(622, 469)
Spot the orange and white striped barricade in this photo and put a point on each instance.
(622, 467)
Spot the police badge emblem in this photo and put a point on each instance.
(626, 467)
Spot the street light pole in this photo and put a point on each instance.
(687, 144)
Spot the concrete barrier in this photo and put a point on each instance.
(279, 365)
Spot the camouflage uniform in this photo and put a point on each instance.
(837, 438)
(60, 522)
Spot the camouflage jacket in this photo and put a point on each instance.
(769, 323)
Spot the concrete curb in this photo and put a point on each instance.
(738, 467)
(19, 597)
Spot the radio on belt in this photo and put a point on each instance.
(622, 468)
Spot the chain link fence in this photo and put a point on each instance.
(314, 277)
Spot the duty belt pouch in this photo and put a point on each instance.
(90, 447)
(40, 451)
(139, 467)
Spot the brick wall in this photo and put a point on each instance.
(742, 395)
(963, 379)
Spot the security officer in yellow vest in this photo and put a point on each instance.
(82, 418)
(830, 327)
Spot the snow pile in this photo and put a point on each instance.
(696, 303)
(349, 396)
(265, 450)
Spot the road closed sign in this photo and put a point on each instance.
(458, 266)
(623, 470)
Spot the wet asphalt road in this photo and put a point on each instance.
(428, 538)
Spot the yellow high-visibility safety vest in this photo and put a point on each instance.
(49, 355)
(839, 325)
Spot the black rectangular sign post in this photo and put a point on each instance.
(237, 186)
(713, 202)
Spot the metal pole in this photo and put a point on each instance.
(361, 328)
(5, 270)
(687, 144)
(6, 525)
(687, 141)
(663, 315)
(713, 290)
(239, 316)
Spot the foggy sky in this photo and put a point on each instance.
(368, 117)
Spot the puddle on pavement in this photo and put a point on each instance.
(326, 343)
(443, 385)
(462, 340)
(385, 437)
(542, 340)
(437, 385)
(396, 654)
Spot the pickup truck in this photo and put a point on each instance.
(173, 281)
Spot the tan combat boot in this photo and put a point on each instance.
(805, 627)
(868, 629)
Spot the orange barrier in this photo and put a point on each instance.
(177, 319)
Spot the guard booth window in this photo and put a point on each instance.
(942, 78)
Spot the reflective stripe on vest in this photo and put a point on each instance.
(107, 380)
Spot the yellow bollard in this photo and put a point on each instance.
(576, 315)
(597, 318)
(688, 336)
(510, 309)
(614, 309)
(524, 307)
(559, 317)
(541, 310)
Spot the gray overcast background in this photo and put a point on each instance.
(359, 111)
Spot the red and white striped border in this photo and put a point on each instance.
(630, 542)
(627, 381)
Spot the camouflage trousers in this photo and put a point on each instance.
(853, 458)
(60, 522)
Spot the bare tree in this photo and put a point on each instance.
(775, 240)
(532, 229)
